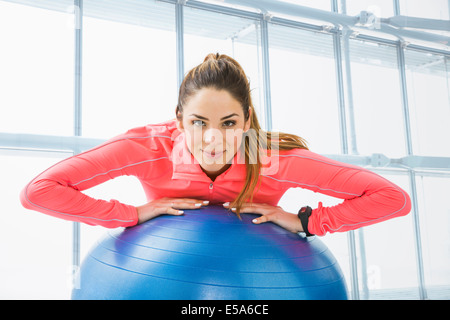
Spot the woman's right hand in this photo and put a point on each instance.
(171, 206)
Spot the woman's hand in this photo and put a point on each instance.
(171, 206)
(277, 215)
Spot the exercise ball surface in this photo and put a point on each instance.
(208, 254)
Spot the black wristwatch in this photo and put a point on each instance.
(303, 215)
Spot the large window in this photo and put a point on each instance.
(302, 68)
(351, 91)
(386, 258)
(129, 78)
(36, 249)
(318, 4)
(381, 8)
(376, 99)
(435, 219)
(428, 77)
(436, 9)
(36, 70)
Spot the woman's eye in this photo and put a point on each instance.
(198, 123)
(229, 123)
(201, 123)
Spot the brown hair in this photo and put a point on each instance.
(222, 72)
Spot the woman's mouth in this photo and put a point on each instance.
(213, 154)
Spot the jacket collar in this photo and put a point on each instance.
(186, 167)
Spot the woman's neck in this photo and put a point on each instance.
(214, 174)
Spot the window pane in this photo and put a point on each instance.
(435, 232)
(428, 77)
(381, 8)
(377, 102)
(436, 9)
(318, 4)
(389, 256)
(35, 248)
(209, 32)
(303, 87)
(129, 66)
(37, 70)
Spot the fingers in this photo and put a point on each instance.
(175, 206)
(259, 208)
(267, 212)
(171, 206)
(262, 219)
(174, 212)
(187, 204)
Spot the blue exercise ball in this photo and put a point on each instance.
(209, 254)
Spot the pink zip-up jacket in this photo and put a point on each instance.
(157, 155)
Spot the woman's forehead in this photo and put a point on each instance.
(213, 104)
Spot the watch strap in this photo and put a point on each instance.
(303, 214)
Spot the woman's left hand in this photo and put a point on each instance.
(277, 215)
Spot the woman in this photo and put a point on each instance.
(215, 152)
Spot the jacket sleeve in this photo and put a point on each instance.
(57, 191)
(368, 197)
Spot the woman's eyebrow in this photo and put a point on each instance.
(224, 118)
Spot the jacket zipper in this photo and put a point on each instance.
(211, 187)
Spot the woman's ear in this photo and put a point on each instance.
(179, 122)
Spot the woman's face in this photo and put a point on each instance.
(213, 123)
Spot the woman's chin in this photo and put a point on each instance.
(215, 164)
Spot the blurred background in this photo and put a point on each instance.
(364, 82)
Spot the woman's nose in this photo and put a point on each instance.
(211, 135)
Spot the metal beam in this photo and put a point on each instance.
(26, 141)
(47, 142)
(266, 71)
(338, 19)
(411, 173)
(78, 36)
(78, 15)
(344, 149)
(417, 23)
(179, 27)
(290, 9)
